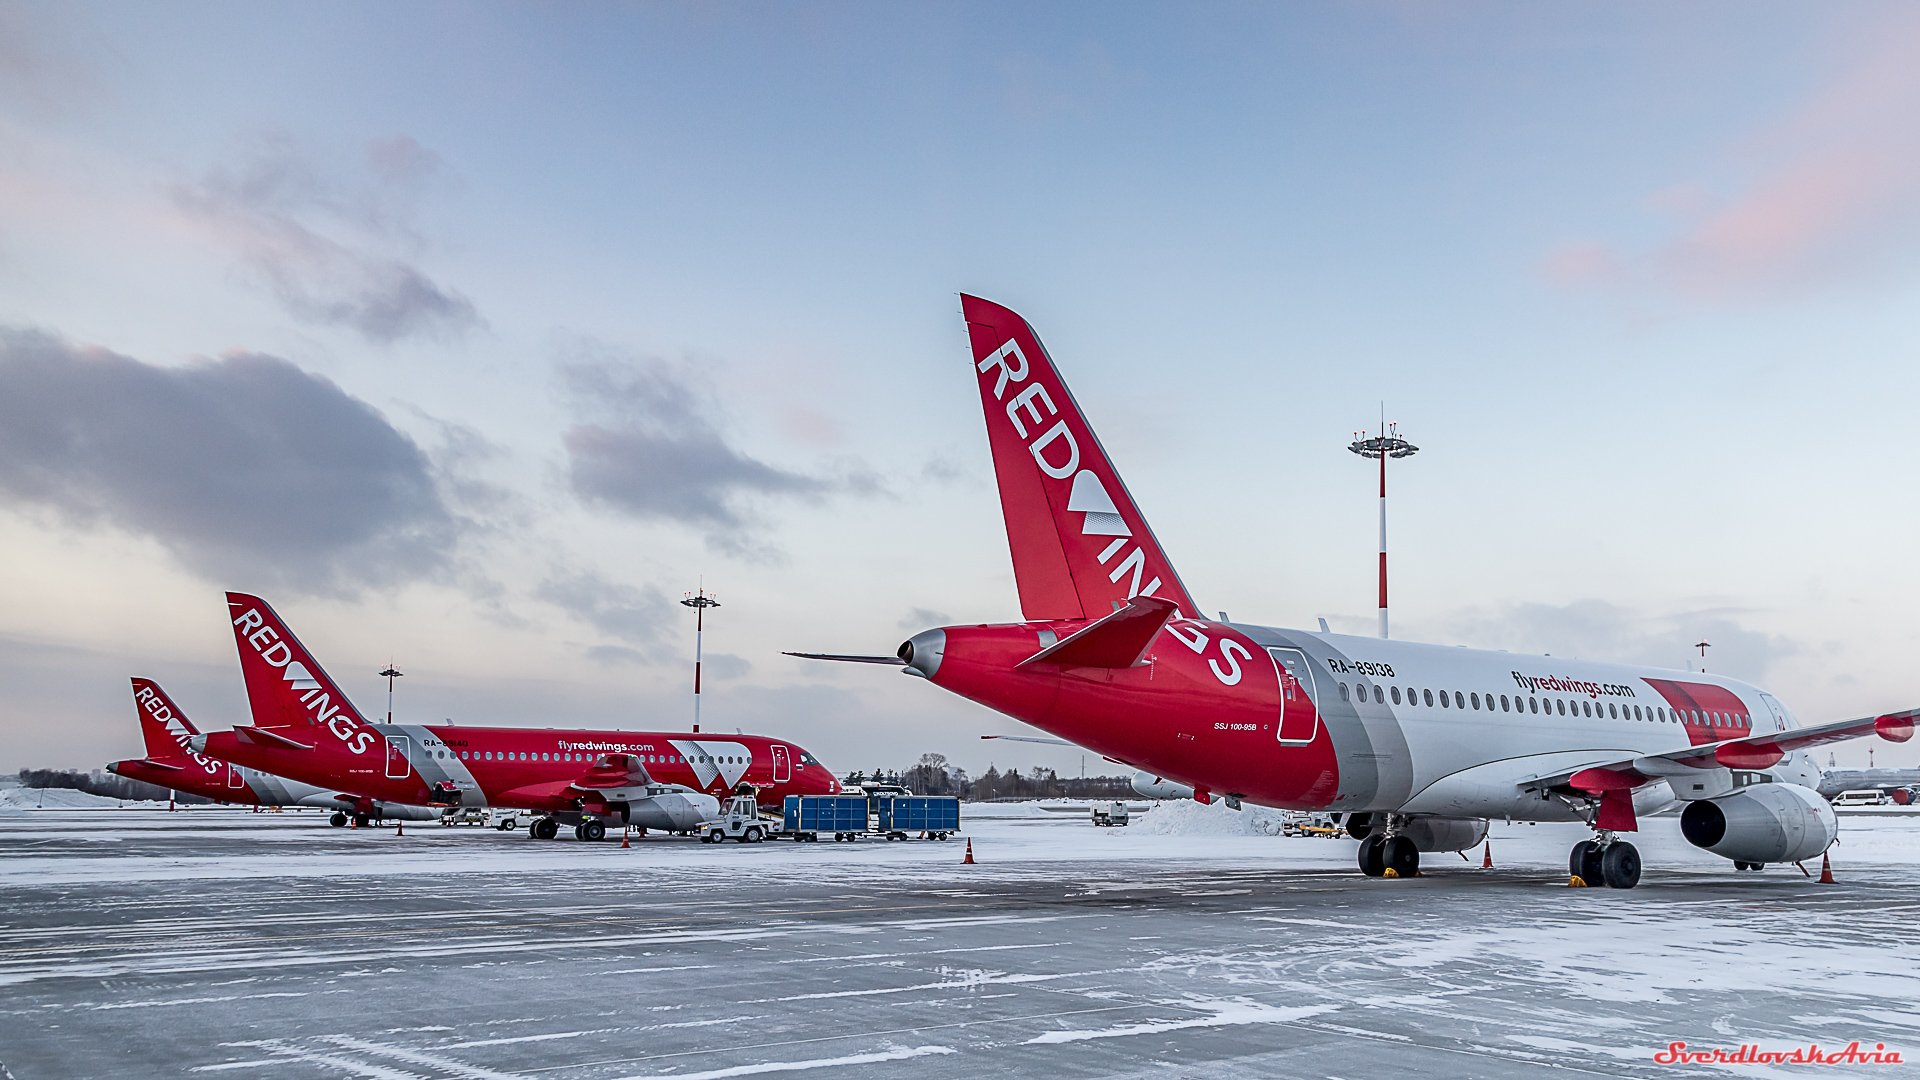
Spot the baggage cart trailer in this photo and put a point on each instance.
(807, 816)
(934, 817)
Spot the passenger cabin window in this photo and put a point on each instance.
(1428, 694)
(1396, 695)
(1475, 699)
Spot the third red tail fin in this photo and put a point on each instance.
(1080, 547)
(162, 724)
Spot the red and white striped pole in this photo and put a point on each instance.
(1383, 446)
(699, 602)
(1383, 547)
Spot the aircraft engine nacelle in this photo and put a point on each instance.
(1445, 834)
(1427, 833)
(1766, 823)
(672, 811)
(1149, 786)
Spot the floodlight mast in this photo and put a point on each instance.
(1387, 444)
(699, 601)
(391, 673)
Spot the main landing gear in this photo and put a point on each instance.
(338, 820)
(543, 828)
(592, 830)
(1387, 850)
(1605, 860)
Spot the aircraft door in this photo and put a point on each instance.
(1299, 704)
(234, 779)
(1778, 710)
(782, 767)
(397, 764)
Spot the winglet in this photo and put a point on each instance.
(1120, 640)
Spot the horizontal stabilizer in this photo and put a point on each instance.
(154, 764)
(891, 661)
(268, 737)
(1120, 640)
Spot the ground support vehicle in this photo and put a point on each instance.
(808, 816)
(934, 817)
(1110, 814)
(740, 822)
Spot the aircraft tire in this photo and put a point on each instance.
(338, 820)
(545, 828)
(1584, 863)
(1620, 865)
(1401, 856)
(593, 830)
(361, 821)
(1372, 862)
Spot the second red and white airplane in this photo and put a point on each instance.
(1419, 745)
(305, 728)
(172, 763)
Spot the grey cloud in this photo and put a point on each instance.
(647, 443)
(247, 468)
(615, 655)
(637, 616)
(1598, 630)
(333, 251)
(923, 618)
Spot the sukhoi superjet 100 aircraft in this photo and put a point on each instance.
(1419, 745)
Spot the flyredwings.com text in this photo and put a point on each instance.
(1556, 684)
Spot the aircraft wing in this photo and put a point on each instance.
(612, 776)
(1041, 739)
(1757, 751)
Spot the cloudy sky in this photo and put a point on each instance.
(474, 336)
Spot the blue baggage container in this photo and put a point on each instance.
(807, 816)
(933, 816)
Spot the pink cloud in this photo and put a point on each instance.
(1828, 191)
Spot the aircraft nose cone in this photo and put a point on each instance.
(923, 652)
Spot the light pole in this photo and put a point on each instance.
(1387, 444)
(699, 601)
(391, 673)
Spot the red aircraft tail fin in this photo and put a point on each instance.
(162, 725)
(1080, 547)
(285, 685)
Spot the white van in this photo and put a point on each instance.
(1861, 797)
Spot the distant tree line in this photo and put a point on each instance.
(102, 783)
(934, 775)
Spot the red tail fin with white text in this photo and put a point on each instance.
(1080, 547)
(286, 686)
(162, 725)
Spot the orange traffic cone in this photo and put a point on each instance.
(1826, 870)
(354, 823)
(624, 844)
(400, 828)
(1486, 861)
(968, 861)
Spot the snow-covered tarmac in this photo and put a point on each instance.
(215, 942)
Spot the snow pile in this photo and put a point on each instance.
(15, 799)
(1185, 817)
